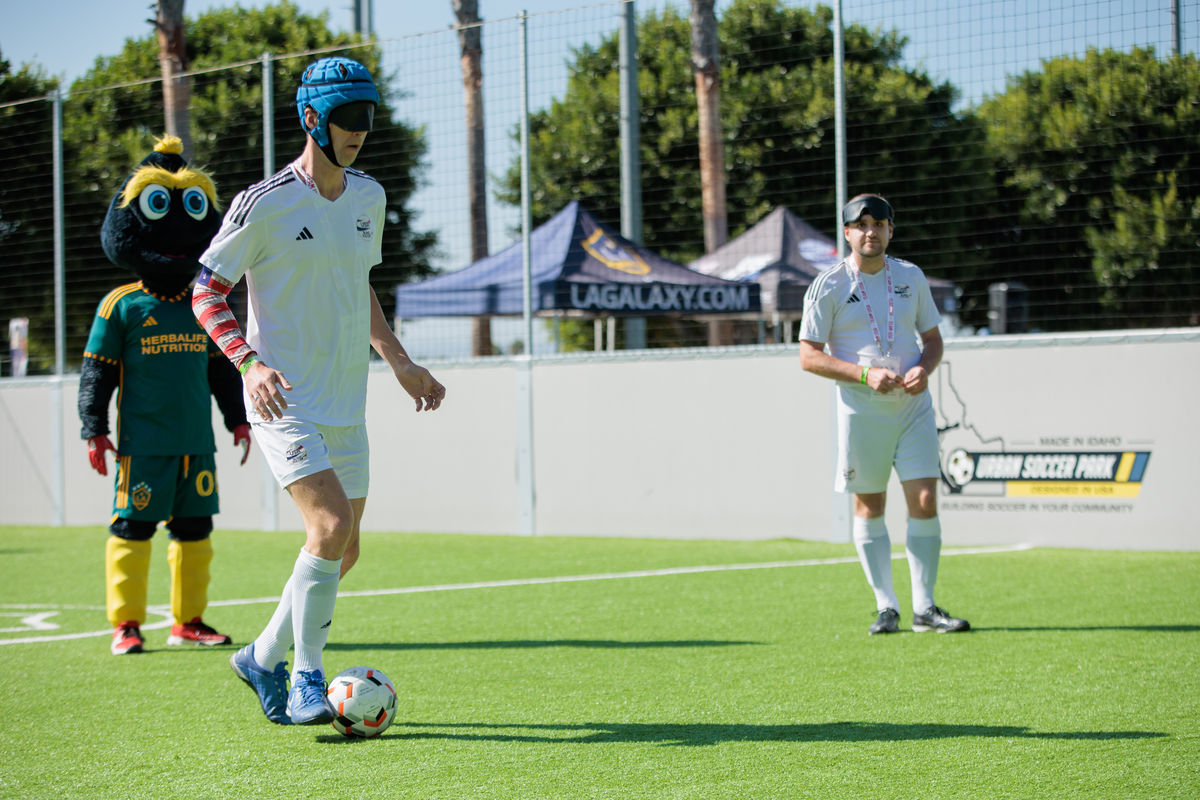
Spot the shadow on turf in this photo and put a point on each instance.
(1064, 628)
(534, 644)
(707, 734)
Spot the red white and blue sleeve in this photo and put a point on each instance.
(232, 252)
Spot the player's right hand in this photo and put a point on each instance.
(97, 445)
(263, 386)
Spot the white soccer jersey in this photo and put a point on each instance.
(835, 312)
(307, 260)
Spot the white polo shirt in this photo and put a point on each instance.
(836, 313)
(307, 260)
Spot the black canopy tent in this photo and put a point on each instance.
(577, 266)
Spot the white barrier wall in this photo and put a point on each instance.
(1085, 441)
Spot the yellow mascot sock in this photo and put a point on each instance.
(189, 562)
(126, 570)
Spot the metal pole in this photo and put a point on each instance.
(842, 528)
(631, 168)
(60, 250)
(526, 489)
(526, 205)
(57, 461)
(364, 18)
(1177, 28)
(270, 489)
(268, 118)
(839, 125)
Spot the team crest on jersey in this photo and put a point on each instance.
(140, 496)
(363, 226)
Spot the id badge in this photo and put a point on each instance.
(891, 363)
(888, 362)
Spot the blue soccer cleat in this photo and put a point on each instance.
(306, 703)
(271, 687)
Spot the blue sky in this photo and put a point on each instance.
(1012, 33)
(98, 27)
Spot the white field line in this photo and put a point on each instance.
(164, 611)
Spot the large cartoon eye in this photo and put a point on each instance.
(154, 201)
(195, 202)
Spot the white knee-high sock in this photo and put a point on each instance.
(924, 547)
(314, 590)
(875, 554)
(273, 643)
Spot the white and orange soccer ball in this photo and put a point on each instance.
(363, 701)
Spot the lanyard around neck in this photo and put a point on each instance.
(891, 317)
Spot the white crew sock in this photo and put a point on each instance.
(924, 546)
(314, 590)
(273, 643)
(875, 554)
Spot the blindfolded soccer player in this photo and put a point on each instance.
(306, 240)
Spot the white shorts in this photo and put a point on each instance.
(875, 435)
(296, 449)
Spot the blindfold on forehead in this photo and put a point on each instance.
(877, 207)
(356, 116)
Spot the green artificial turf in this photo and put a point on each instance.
(1081, 678)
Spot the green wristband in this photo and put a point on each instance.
(244, 367)
(863, 377)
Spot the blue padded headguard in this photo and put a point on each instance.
(329, 83)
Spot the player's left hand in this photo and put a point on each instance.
(241, 435)
(421, 386)
(916, 380)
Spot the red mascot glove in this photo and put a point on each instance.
(97, 445)
(241, 435)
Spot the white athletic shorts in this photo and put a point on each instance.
(876, 434)
(295, 449)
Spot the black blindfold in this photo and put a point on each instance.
(877, 207)
(356, 116)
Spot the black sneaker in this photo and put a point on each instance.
(887, 622)
(936, 619)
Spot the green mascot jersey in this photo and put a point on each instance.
(163, 353)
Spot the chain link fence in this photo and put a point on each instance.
(1051, 150)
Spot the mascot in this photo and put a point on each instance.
(146, 345)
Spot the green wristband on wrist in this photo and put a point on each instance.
(863, 377)
(244, 367)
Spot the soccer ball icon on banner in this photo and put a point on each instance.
(363, 700)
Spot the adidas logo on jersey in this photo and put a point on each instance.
(304, 234)
(853, 299)
(149, 321)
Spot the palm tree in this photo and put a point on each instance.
(172, 56)
(470, 44)
(706, 67)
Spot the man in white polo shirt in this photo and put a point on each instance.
(306, 240)
(877, 315)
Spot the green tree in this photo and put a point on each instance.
(1098, 163)
(26, 209)
(777, 112)
(108, 130)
